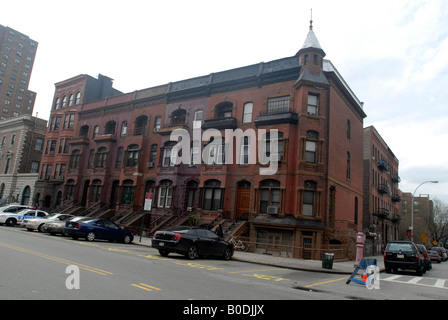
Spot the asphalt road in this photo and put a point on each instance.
(36, 266)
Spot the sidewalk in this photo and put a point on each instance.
(339, 267)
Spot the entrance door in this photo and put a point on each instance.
(307, 248)
(242, 199)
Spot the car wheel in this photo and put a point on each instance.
(164, 253)
(40, 228)
(419, 271)
(192, 253)
(90, 236)
(127, 239)
(227, 253)
(10, 222)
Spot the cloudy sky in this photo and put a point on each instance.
(392, 53)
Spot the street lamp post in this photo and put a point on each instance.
(412, 206)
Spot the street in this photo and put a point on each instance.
(40, 266)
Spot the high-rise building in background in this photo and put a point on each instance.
(17, 53)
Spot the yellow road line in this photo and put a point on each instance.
(42, 255)
(145, 286)
(319, 283)
(257, 270)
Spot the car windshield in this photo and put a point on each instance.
(399, 246)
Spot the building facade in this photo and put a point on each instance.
(17, 54)
(423, 218)
(272, 150)
(21, 145)
(382, 197)
(69, 97)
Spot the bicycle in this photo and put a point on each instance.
(238, 245)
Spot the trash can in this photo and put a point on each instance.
(327, 260)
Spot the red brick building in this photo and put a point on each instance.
(301, 104)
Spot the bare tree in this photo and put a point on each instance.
(438, 223)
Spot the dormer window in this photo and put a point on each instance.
(224, 110)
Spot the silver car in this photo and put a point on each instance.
(41, 224)
(55, 227)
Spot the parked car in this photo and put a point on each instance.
(57, 226)
(191, 242)
(403, 255)
(92, 228)
(39, 224)
(10, 209)
(424, 252)
(434, 255)
(442, 252)
(11, 219)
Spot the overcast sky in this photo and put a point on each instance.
(392, 53)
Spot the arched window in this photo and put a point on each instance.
(26, 195)
(140, 125)
(64, 101)
(70, 100)
(78, 98)
(84, 131)
(178, 117)
(57, 104)
(110, 127)
(223, 110)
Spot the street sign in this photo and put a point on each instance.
(424, 236)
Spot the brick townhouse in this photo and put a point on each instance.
(107, 150)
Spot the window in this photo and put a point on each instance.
(119, 161)
(70, 187)
(308, 198)
(267, 145)
(244, 154)
(64, 101)
(140, 126)
(124, 128)
(212, 195)
(157, 123)
(348, 129)
(167, 151)
(278, 104)
(91, 159)
(132, 155)
(165, 194)
(269, 195)
(312, 104)
(247, 112)
(348, 165)
(34, 167)
(178, 117)
(197, 122)
(95, 131)
(74, 159)
(13, 139)
(101, 157)
(78, 98)
(224, 110)
(51, 147)
(110, 128)
(311, 147)
(70, 100)
(153, 154)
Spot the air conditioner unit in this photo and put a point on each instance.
(150, 164)
(272, 210)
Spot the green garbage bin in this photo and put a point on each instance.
(327, 260)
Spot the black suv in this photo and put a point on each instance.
(403, 255)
